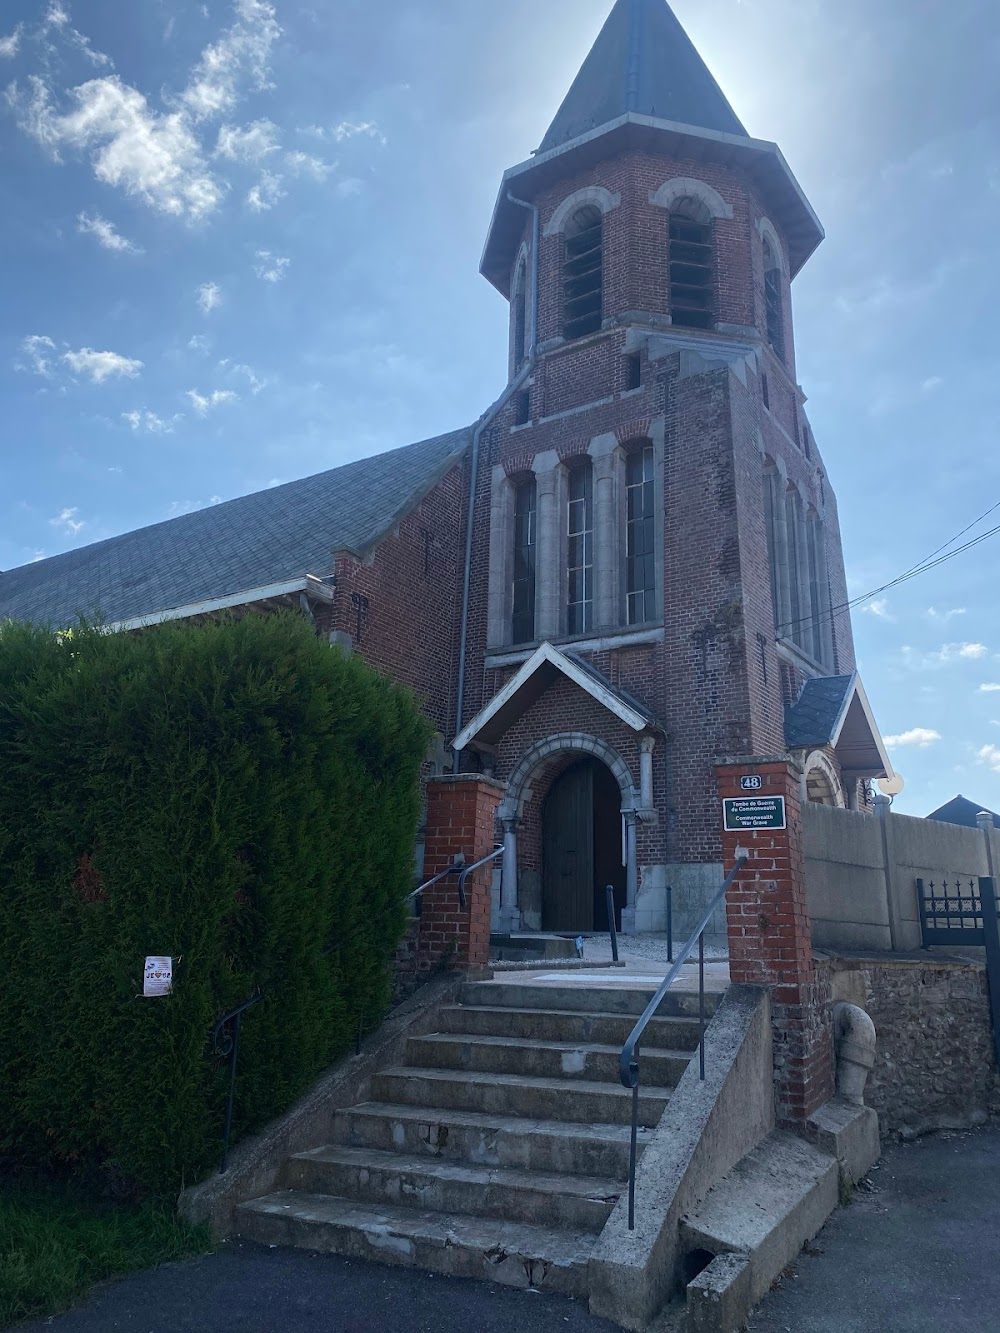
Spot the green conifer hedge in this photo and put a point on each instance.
(235, 795)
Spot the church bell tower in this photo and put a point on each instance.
(657, 567)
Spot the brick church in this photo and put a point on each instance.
(630, 567)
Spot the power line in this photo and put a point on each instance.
(922, 567)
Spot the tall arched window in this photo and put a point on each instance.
(580, 550)
(520, 312)
(523, 600)
(583, 275)
(692, 264)
(774, 299)
(640, 536)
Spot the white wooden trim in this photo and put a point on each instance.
(546, 653)
(857, 691)
(313, 587)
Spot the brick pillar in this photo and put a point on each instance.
(770, 940)
(461, 818)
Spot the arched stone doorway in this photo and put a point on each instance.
(821, 784)
(583, 807)
(582, 849)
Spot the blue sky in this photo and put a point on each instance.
(241, 244)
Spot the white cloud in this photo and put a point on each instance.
(153, 156)
(209, 297)
(972, 651)
(9, 45)
(104, 233)
(958, 652)
(350, 187)
(255, 384)
(921, 736)
(306, 164)
(101, 365)
(199, 343)
(145, 422)
(351, 129)
(251, 144)
(266, 193)
(179, 507)
(989, 689)
(67, 521)
(202, 404)
(934, 614)
(269, 267)
(347, 129)
(244, 50)
(38, 349)
(929, 385)
(990, 754)
(880, 609)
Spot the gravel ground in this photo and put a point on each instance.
(638, 949)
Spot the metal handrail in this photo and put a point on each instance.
(452, 870)
(496, 852)
(628, 1064)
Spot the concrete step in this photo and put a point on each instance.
(769, 1205)
(513, 1253)
(566, 1202)
(677, 1034)
(489, 1139)
(532, 948)
(516, 1094)
(540, 1059)
(620, 998)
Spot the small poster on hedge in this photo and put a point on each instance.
(158, 978)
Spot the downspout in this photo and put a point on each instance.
(487, 419)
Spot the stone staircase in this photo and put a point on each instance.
(499, 1149)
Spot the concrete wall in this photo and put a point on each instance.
(861, 873)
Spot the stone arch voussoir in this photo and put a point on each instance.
(567, 742)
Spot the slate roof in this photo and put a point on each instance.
(273, 536)
(643, 62)
(963, 812)
(813, 719)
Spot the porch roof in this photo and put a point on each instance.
(544, 666)
(834, 710)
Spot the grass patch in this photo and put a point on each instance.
(55, 1244)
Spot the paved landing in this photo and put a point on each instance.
(247, 1289)
(916, 1254)
(631, 977)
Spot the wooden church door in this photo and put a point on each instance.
(568, 851)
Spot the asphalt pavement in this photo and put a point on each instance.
(918, 1251)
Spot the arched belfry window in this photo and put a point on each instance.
(774, 299)
(583, 275)
(525, 542)
(580, 550)
(520, 315)
(692, 264)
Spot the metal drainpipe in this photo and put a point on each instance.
(485, 420)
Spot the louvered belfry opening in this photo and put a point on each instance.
(692, 266)
(583, 276)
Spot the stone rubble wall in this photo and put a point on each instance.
(935, 1065)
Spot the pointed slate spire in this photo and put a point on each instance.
(643, 62)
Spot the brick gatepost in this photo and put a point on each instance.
(770, 939)
(461, 819)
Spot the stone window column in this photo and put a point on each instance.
(646, 747)
(501, 559)
(783, 609)
(550, 562)
(510, 917)
(606, 457)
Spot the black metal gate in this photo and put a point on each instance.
(961, 913)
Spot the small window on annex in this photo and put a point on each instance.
(692, 265)
(523, 602)
(580, 549)
(640, 536)
(583, 275)
(774, 300)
